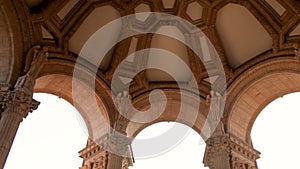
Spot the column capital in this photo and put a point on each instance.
(96, 156)
(18, 101)
(226, 149)
(118, 144)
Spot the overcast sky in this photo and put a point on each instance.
(52, 136)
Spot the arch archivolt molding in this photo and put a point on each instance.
(252, 85)
(171, 112)
(255, 88)
(56, 78)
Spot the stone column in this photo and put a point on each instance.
(224, 151)
(15, 106)
(98, 156)
(119, 142)
(119, 152)
(112, 151)
(17, 102)
(217, 153)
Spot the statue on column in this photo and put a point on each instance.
(35, 60)
(123, 105)
(216, 102)
(16, 103)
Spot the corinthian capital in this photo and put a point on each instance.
(19, 102)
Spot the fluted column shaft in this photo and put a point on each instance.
(15, 105)
(9, 125)
(114, 161)
(17, 102)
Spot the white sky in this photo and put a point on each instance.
(51, 137)
(48, 138)
(276, 133)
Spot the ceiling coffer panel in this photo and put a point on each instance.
(94, 22)
(172, 59)
(242, 35)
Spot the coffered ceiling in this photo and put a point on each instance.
(241, 32)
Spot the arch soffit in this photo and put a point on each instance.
(172, 111)
(12, 46)
(56, 78)
(257, 87)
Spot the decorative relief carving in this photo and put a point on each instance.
(238, 163)
(118, 144)
(96, 156)
(126, 162)
(217, 101)
(123, 104)
(99, 162)
(35, 60)
(19, 102)
(225, 147)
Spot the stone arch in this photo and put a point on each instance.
(256, 88)
(15, 40)
(171, 112)
(56, 78)
(6, 48)
(167, 137)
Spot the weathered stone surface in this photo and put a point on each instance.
(254, 81)
(6, 61)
